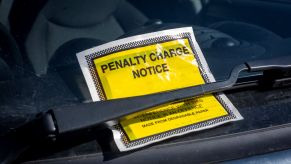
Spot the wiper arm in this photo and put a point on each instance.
(85, 116)
(68, 119)
(79, 118)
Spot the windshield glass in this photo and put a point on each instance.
(39, 40)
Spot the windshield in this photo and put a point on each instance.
(39, 41)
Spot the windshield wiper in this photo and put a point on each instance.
(64, 122)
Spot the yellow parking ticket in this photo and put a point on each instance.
(152, 63)
(155, 68)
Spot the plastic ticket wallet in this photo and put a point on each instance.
(151, 63)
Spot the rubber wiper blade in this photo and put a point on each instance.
(82, 117)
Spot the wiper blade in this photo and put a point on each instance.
(78, 117)
(75, 119)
